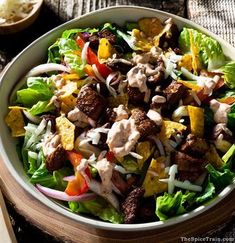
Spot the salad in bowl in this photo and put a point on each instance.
(128, 124)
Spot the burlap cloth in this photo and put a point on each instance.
(215, 15)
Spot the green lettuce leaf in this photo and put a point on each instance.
(207, 194)
(41, 107)
(67, 49)
(100, 208)
(72, 32)
(52, 180)
(170, 205)
(210, 50)
(231, 119)
(53, 53)
(128, 39)
(130, 164)
(229, 74)
(220, 178)
(38, 90)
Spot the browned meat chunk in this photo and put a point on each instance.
(195, 146)
(56, 159)
(108, 35)
(174, 92)
(119, 65)
(90, 103)
(135, 96)
(188, 166)
(170, 36)
(119, 182)
(131, 205)
(110, 115)
(145, 126)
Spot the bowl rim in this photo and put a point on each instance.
(36, 6)
(93, 222)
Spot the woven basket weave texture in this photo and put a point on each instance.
(215, 15)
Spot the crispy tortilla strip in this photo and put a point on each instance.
(196, 116)
(66, 130)
(150, 26)
(151, 183)
(169, 128)
(15, 121)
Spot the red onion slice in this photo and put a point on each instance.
(63, 196)
(69, 178)
(47, 67)
(84, 52)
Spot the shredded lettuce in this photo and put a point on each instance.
(100, 208)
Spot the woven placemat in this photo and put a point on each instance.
(215, 15)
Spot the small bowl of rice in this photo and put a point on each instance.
(16, 15)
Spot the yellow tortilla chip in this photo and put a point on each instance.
(213, 157)
(150, 26)
(66, 131)
(196, 116)
(151, 183)
(190, 85)
(144, 149)
(68, 103)
(15, 121)
(68, 89)
(169, 128)
(186, 62)
(142, 42)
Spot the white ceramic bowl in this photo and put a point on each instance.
(35, 54)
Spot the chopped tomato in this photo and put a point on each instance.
(93, 59)
(78, 185)
(110, 156)
(74, 157)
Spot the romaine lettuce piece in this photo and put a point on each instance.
(170, 205)
(220, 178)
(69, 49)
(38, 90)
(41, 107)
(229, 74)
(72, 32)
(100, 208)
(210, 50)
(207, 194)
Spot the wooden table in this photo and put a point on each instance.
(55, 12)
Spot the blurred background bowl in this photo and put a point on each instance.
(10, 28)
